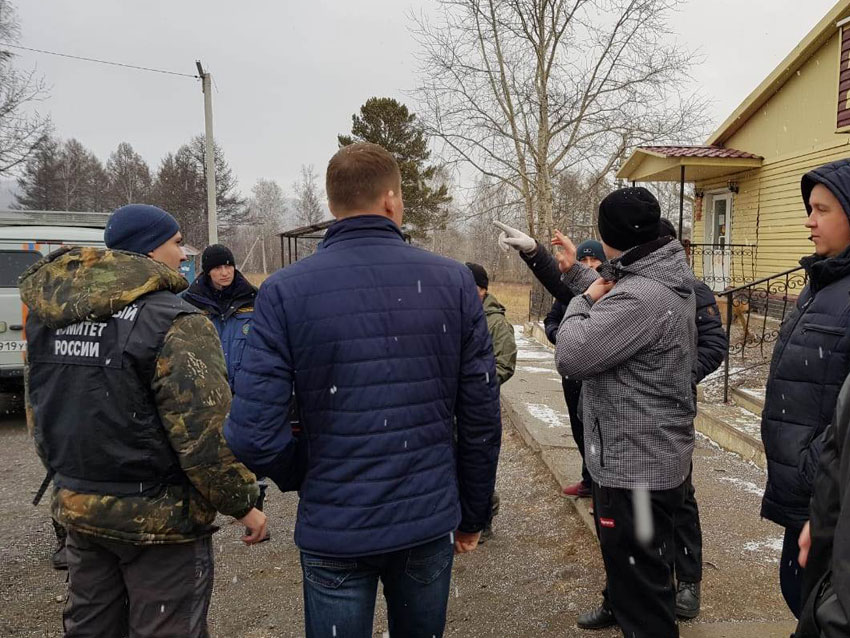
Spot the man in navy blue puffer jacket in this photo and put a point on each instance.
(383, 345)
(810, 362)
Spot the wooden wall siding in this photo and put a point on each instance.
(844, 80)
(768, 210)
(800, 116)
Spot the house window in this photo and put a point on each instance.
(843, 122)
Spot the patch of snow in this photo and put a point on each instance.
(534, 369)
(771, 545)
(533, 355)
(549, 416)
(747, 486)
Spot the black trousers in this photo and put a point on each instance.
(790, 572)
(640, 577)
(572, 395)
(688, 537)
(144, 591)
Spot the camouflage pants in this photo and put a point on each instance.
(145, 591)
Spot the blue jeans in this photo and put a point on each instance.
(339, 593)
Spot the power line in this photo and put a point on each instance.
(77, 57)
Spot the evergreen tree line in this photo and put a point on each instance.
(65, 175)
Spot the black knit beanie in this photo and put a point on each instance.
(216, 255)
(628, 217)
(479, 275)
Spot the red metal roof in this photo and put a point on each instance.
(699, 151)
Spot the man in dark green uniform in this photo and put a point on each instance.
(504, 351)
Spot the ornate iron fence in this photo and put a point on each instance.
(754, 313)
(723, 265)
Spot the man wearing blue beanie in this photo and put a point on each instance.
(146, 230)
(127, 394)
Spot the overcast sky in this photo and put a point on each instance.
(289, 74)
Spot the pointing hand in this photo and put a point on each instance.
(516, 239)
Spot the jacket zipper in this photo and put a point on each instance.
(601, 445)
(824, 330)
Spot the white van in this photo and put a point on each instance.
(20, 247)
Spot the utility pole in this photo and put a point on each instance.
(212, 215)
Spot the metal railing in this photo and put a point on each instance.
(723, 265)
(756, 311)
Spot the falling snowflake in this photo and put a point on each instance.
(333, 389)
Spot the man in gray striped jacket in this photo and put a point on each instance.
(630, 335)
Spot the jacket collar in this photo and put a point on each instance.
(237, 295)
(823, 271)
(359, 227)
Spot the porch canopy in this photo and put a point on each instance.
(680, 163)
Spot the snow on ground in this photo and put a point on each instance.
(747, 486)
(533, 355)
(771, 546)
(535, 370)
(549, 416)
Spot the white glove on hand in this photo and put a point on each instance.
(516, 239)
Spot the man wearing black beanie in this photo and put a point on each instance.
(227, 298)
(630, 335)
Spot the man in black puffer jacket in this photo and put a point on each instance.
(810, 362)
(825, 549)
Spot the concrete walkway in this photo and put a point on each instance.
(741, 596)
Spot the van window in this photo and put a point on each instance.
(13, 263)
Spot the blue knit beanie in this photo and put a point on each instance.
(139, 228)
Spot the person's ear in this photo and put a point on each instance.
(389, 204)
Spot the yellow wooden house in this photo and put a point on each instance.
(748, 211)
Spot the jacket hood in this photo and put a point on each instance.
(91, 284)
(662, 260)
(492, 305)
(835, 176)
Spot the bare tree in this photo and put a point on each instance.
(20, 132)
(308, 197)
(266, 210)
(129, 176)
(527, 90)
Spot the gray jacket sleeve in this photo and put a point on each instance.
(579, 277)
(595, 338)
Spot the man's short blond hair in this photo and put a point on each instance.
(358, 175)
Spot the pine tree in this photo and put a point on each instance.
(387, 122)
(63, 176)
(38, 185)
(180, 188)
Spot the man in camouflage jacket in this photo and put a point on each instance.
(126, 398)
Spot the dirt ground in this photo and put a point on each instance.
(541, 569)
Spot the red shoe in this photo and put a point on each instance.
(578, 489)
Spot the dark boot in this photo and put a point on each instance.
(687, 600)
(599, 618)
(59, 559)
(487, 532)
